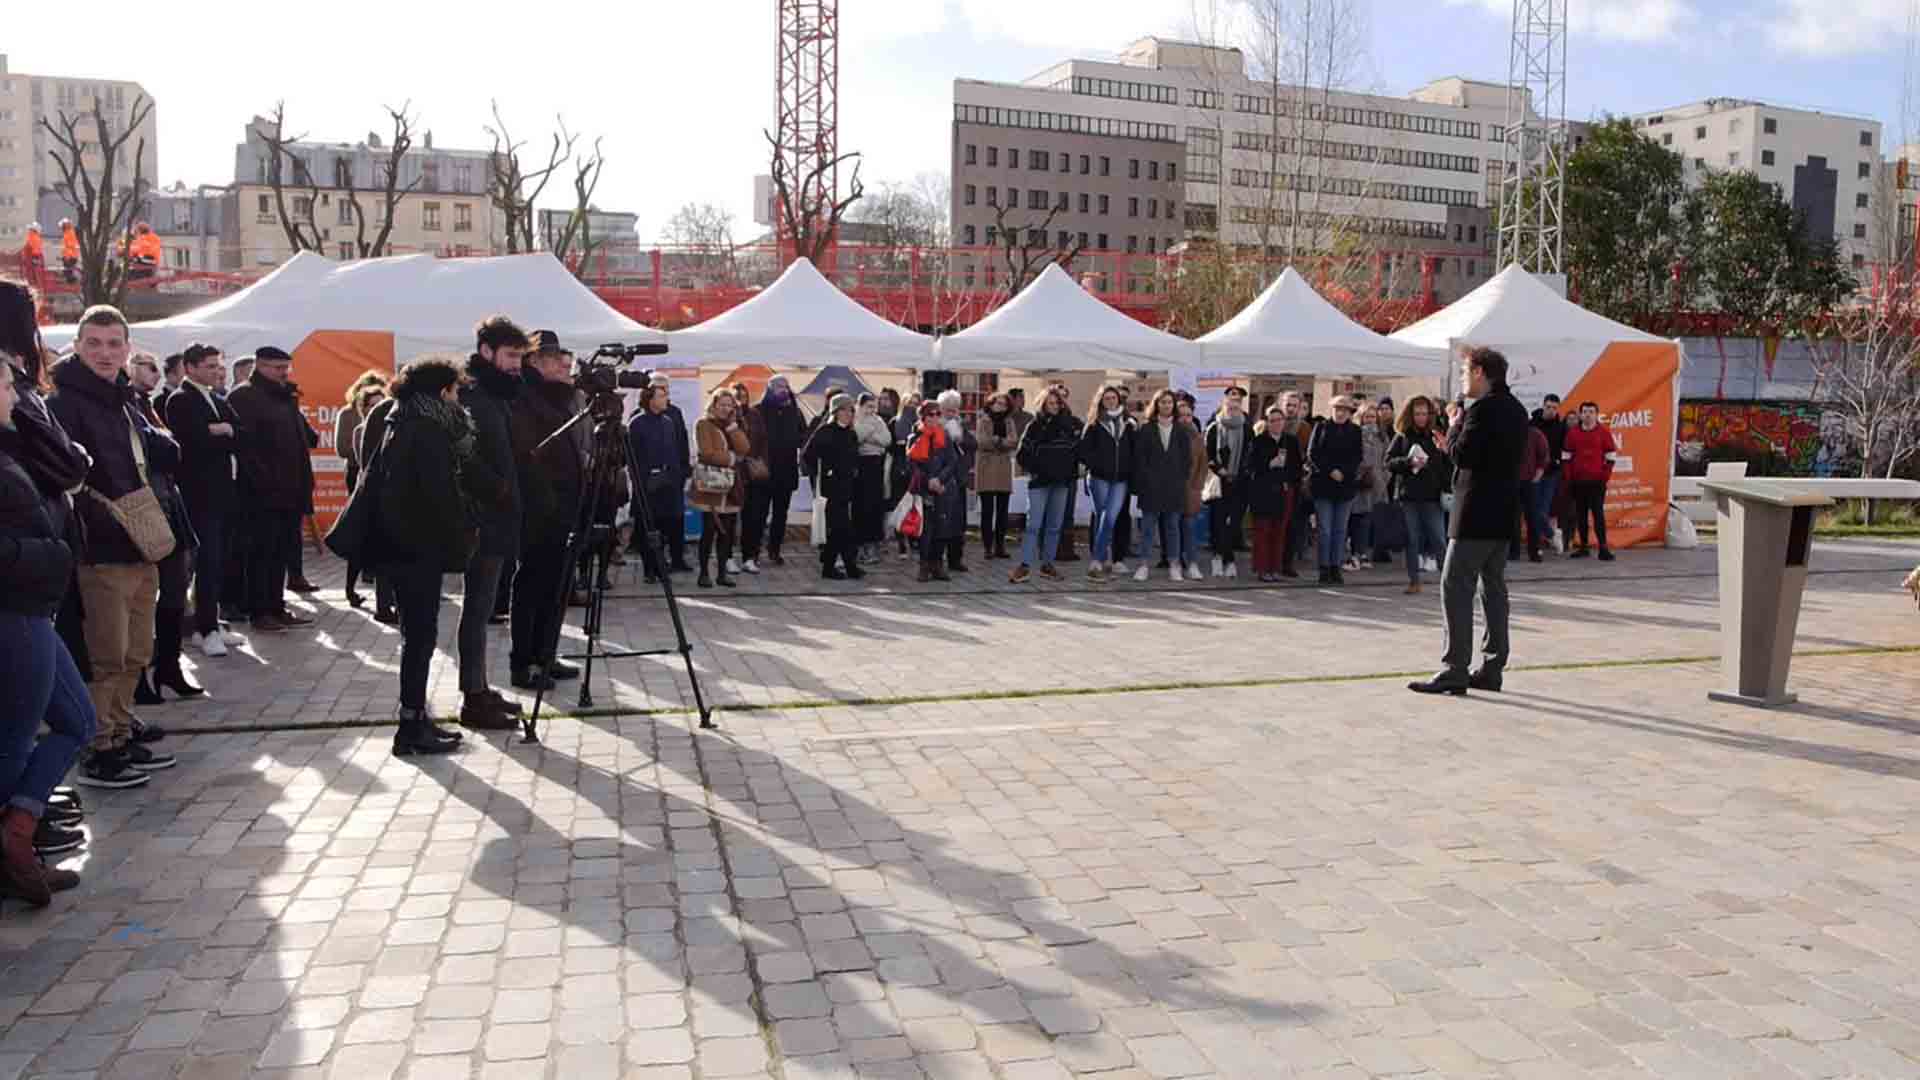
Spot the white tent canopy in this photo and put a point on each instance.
(800, 320)
(1292, 330)
(428, 304)
(1055, 325)
(1513, 309)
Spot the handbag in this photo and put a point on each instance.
(713, 479)
(911, 524)
(139, 512)
(757, 471)
(1213, 489)
(818, 533)
(354, 527)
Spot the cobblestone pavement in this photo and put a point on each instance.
(1597, 873)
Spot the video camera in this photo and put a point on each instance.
(601, 373)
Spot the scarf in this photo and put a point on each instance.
(1000, 424)
(1233, 435)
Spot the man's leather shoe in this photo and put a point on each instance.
(526, 678)
(482, 713)
(1485, 680)
(1440, 684)
(560, 669)
(302, 586)
(294, 618)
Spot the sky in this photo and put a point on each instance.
(681, 92)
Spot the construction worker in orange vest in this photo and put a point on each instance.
(69, 250)
(35, 251)
(143, 255)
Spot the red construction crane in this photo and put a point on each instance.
(808, 102)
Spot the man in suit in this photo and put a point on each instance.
(1488, 452)
(278, 475)
(209, 434)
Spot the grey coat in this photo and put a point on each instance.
(1373, 467)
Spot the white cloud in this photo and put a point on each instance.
(1612, 20)
(1826, 28)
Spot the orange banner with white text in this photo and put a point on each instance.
(324, 365)
(1632, 382)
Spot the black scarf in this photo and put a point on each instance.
(491, 380)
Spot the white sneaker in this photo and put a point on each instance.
(1143, 573)
(210, 644)
(233, 637)
(1173, 573)
(733, 565)
(1193, 571)
(1219, 568)
(751, 566)
(1119, 566)
(1233, 570)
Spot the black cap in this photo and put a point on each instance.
(546, 341)
(269, 354)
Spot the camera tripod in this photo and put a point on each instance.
(595, 541)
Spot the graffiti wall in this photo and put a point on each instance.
(1795, 438)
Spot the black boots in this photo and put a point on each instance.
(165, 670)
(419, 735)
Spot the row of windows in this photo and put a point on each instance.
(1039, 120)
(1065, 240)
(1355, 186)
(1346, 151)
(1344, 114)
(346, 175)
(1128, 91)
(430, 217)
(1041, 160)
(1064, 201)
(1372, 226)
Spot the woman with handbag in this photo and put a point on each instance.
(719, 482)
(998, 436)
(176, 570)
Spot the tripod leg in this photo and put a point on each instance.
(651, 547)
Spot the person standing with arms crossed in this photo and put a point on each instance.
(1487, 449)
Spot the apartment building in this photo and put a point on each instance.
(1827, 165)
(446, 211)
(1194, 146)
(27, 168)
(615, 233)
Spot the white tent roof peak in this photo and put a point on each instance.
(1516, 308)
(802, 318)
(1055, 325)
(1291, 329)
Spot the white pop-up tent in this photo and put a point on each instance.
(1554, 346)
(1055, 325)
(801, 320)
(425, 303)
(1292, 330)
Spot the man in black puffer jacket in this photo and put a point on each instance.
(276, 472)
(493, 372)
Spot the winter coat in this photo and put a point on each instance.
(1050, 450)
(724, 448)
(1372, 487)
(993, 465)
(206, 475)
(1220, 448)
(276, 469)
(1021, 419)
(875, 434)
(1335, 446)
(1535, 461)
(943, 460)
(1106, 448)
(57, 465)
(1487, 451)
(35, 563)
(163, 470)
(1160, 473)
(777, 432)
(553, 478)
(1585, 454)
(346, 424)
(832, 457)
(1196, 468)
(1556, 432)
(653, 448)
(493, 478)
(99, 415)
(422, 513)
(1268, 487)
(1426, 485)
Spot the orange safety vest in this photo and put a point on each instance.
(147, 247)
(36, 247)
(69, 244)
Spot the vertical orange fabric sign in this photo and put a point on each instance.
(1632, 382)
(324, 366)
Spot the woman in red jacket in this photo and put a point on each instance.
(1589, 454)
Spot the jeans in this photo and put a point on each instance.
(1226, 513)
(1109, 498)
(118, 599)
(43, 686)
(1072, 515)
(416, 590)
(476, 607)
(1046, 510)
(1163, 529)
(1123, 530)
(1190, 537)
(1426, 535)
(1469, 562)
(538, 604)
(1544, 491)
(1590, 501)
(209, 569)
(1333, 530)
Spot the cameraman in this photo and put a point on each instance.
(552, 480)
(657, 451)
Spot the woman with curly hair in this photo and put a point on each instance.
(367, 391)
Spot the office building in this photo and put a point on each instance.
(615, 235)
(27, 168)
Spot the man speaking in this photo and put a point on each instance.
(1488, 452)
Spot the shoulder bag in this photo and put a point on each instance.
(139, 512)
(715, 479)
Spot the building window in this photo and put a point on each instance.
(1102, 246)
(1037, 159)
(1084, 202)
(993, 234)
(972, 154)
(430, 216)
(463, 177)
(1766, 157)
(1733, 126)
(993, 195)
(430, 176)
(342, 172)
(1066, 162)
(1152, 245)
(1733, 158)
(993, 155)
(1133, 168)
(1103, 204)
(462, 217)
(1062, 201)
(1866, 138)
(1013, 198)
(1086, 164)
(1472, 269)
(1036, 199)
(1860, 201)
(1106, 166)
(1699, 163)
(967, 235)
(1859, 262)
(1013, 157)
(1169, 209)
(1133, 206)
(1153, 208)
(265, 212)
(1173, 171)
(346, 212)
(1062, 239)
(1700, 132)
(1473, 234)
(1133, 245)
(303, 208)
(180, 258)
(1036, 237)
(1666, 139)
(1859, 231)
(1769, 126)
(1866, 170)
(1153, 170)
(345, 251)
(972, 193)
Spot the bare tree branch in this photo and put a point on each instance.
(809, 217)
(102, 206)
(514, 188)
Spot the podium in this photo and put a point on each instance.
(1766, 531)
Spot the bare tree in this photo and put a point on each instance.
(576, 238)
(104, 209)
(302, 231)
(1023, 246)
(387, 173)
(808, 216)
(703, 233)
(513, 186)
(907, 215)
(1869, 372)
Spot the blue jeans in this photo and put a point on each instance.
(1545, 490)
(1426, 535)
(1046, 511)
(1164, 529)
(1109, 497)
(42, 685)
(1333, 530)
(1190, 536)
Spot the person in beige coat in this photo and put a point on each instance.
(720, 442)
(998, 434)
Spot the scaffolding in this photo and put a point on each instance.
(808, 102)
(1535, 158)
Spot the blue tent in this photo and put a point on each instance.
(836, 378)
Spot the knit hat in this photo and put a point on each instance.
(838, 402)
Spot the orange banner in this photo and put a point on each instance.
(1632, 382)
(324, 366)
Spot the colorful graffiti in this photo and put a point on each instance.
(1799, 438)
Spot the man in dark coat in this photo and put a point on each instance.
(493, 480)
(672, 521)
(209, 433)
(551, 482)
(777, 429)
(1487, 453)
(276, 470)
(833, 456)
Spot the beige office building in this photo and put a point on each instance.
(27, 166)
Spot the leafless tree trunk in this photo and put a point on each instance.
(1025, 259)
(303, 233)
(1869, 370)
(809, 218)
(705, 234)
(391, 189)
(513, 187)
(579, 227)
(104, 210)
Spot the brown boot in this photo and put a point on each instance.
(21, 874)
(482, 712)
(926, 573)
